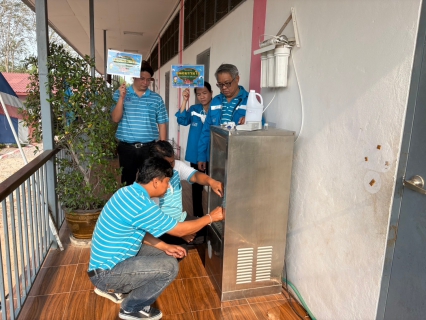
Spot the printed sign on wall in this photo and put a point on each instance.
(124, 63)
(187, 76)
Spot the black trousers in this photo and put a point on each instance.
(130, 159)
(168, 238)
(197, 193)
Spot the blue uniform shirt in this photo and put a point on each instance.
(192, 117)
(141, 116)
(221, 112)
(122, 225)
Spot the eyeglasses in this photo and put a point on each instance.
(145, 79)
(225, 84)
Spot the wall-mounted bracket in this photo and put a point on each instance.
(291, 17)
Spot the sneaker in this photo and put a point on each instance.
(148, 313)
(114, 297)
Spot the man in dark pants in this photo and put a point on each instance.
(126, 257)
(142, 119)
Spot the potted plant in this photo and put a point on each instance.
(83, 130)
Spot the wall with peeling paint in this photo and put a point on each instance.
(348, 85)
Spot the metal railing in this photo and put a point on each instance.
(25, 236)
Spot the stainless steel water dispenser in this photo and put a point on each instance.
(245, 252)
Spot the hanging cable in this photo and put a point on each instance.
(301, 100)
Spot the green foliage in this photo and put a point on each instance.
(82, 128)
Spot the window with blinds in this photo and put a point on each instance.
(169, 41)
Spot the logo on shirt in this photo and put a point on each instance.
(128, 99)
(194, 124)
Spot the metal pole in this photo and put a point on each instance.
(105, 55)
(92, 34)
(46, 114)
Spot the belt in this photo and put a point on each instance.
(94, 272)
(137, 145)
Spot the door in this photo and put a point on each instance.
(204, 59)
(403, 291)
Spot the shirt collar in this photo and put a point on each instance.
(132, 91)
(140, 188)
(241, 94)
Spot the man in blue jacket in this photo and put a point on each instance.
(228, 106)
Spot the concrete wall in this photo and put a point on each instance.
(354, 68)
(353, 71)
(229, 42)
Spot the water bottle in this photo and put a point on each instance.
(254, 107)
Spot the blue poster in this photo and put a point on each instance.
(124, 63)
(187, 76)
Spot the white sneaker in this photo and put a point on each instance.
(114, 297)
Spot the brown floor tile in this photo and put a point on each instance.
(191, 267)
(81, 279)
(279, 309)
(87, 305)
(211, 314)
(85, 255)
(50, 307)
(234, 303)
(53, 280)
(202, 294)
(172, 301)
(64, 234)
(271, 297)
(55, 258)
(183, 316)
(243, 312)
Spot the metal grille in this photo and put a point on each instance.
(264, 263)
(244, 265)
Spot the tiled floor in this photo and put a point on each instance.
(62, 291)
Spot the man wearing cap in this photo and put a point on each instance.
(142, 119)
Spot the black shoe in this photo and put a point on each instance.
(148, 313)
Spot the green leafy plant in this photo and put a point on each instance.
(82, 127)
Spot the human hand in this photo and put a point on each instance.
(202, 166)
(217, 214)
(186, 94)
(217, 187)
(242, 120)
(175, 251)
(122, 90)
(189, 237)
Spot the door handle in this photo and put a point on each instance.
(416, 183)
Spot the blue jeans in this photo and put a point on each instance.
(143, 277)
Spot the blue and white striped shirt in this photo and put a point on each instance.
(141, 116)
(122, 225)
(171, 203)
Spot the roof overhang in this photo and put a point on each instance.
(131, 25)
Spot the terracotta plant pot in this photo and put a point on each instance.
(82, 222)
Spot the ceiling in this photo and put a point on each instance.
(70, 19)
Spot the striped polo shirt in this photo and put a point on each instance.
(171, 202)
(228, 108)
(122, 225)
(141, 116)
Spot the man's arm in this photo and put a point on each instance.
(189, 227)
(171, 250)
(205, 180)
(117, 113)
(162, 129)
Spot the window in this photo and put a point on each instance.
(169, 41)
(153, 58)
(201, 15)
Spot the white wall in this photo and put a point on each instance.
(229, 42)
(354, 68)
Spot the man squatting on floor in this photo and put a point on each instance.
(128, 264)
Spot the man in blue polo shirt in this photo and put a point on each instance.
(142, 119)
(229, 105)
(120, 263)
